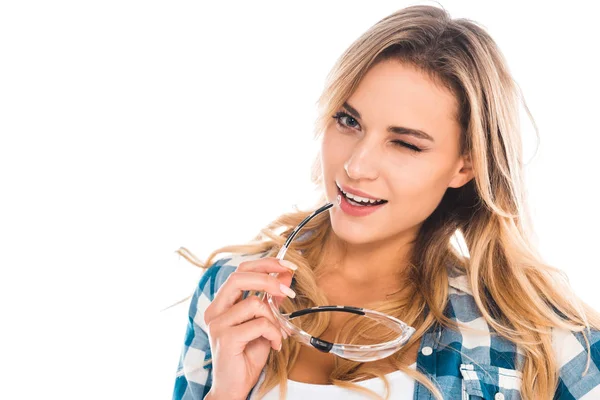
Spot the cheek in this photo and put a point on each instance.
(420, 185)
(332, 150)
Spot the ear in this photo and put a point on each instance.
(464, 174)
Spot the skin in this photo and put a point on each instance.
(366, 253)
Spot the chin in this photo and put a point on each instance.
(348, 231)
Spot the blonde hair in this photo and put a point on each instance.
(520, 296)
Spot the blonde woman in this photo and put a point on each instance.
(420, 145)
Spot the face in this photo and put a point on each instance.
(361, 150)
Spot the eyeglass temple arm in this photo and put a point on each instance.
(291, 237)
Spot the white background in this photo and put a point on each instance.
(131, 128)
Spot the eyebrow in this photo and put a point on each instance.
(402, 130)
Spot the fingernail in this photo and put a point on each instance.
(283, 334)
(280, 346)
(287, 291)
(288, 264)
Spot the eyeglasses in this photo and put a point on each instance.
(355, 352)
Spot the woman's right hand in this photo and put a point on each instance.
(242, 332)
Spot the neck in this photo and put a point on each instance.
(374, 264)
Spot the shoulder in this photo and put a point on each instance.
(577, 379)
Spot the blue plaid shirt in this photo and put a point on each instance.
(465, 365)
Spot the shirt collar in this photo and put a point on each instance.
(458, 280)
(460, 283)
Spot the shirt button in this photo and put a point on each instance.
(499, 396)
(427, 351)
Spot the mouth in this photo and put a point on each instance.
(359, 201)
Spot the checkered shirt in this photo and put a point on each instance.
(464, 365)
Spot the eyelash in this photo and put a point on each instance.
(340, 114)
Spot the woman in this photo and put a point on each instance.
(418, 118)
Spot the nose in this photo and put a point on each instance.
(363, 162)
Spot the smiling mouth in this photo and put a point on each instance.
(360, 202)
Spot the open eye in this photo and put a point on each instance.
(345, 120)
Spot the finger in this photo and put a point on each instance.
(236, 284)
(247, 309)
(266, 264)
(241, 335)
(286, 279)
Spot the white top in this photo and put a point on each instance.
(401, 388)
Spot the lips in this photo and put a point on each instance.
(358, 193)
(356, 211)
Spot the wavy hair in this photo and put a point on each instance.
(520, 296)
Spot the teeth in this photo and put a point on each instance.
(358, 198)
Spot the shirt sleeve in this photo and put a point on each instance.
(193, 378)
(571, 355)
